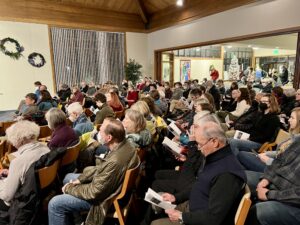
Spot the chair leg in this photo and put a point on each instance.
(121, 217)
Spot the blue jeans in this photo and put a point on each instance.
(61, 208)
(251, 162)
(243, 145)
(273, 213)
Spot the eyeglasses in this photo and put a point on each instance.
(201, 146)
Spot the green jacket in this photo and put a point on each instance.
(100, 183)
(105, 111)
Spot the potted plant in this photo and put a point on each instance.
(132, 71)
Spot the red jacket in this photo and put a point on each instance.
(214, 75)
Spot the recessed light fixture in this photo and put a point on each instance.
(198, 49)
(249, 46)
(255, 48)
(229, 46)
(179, 2)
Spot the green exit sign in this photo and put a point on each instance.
(276, 51)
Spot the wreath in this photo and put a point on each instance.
(16, 53)
(36, 59)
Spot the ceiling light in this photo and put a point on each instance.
(249, 46)
(179, 2)
(277, 47)
(255, 48)
(229, 46)
(197, 49)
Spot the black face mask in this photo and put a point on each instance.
(263, 106)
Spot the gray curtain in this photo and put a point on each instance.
(81, 55)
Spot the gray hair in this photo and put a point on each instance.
(22, 132)
(55, 117)
(213, 130)
(205, 116)
(75, 108)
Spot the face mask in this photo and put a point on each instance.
(100, 139)
(263, 106)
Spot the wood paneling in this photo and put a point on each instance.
(142, 11)
(62, 15)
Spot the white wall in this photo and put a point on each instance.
(17, 76)
(251, 19)
(199, 68)
(137, 48)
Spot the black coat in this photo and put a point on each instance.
(246, 121)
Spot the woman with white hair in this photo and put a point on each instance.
(63, 135)
(81, 123)
(22, 135)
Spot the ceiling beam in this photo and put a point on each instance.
(64, 15)
(142, 11)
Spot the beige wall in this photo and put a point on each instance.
(17, 76)
(199, 67)
(259, 17)
(136, 47)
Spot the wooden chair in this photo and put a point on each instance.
(126, 196)
(47, 174)
(120, 114)
(45, 131)
(7, 124)
(2, 148)
(97, 126)
(71, 155)
(281, 136)
(243, 209)
(88, 112)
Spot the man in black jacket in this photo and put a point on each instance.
(215, 194)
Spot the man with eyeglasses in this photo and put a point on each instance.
(214, 197)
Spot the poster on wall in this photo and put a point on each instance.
(185, 70)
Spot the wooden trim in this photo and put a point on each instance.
(52, 60)
(197, 58)
(232, 39)
(142, 11)
(296, 82)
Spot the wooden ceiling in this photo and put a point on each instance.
(113, 15)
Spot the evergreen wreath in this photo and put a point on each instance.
(13, 54)
(33, 57)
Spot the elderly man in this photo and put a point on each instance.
(214, 196)
(92, 189)
(81, 123)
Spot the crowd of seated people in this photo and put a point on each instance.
(213, 160)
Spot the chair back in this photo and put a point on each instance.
(48, 174)
(45, 131)
(243, 209)
(7, 124)
(2, 147)
(97, 126)
(71, 155)
(282, 136)
(127, 189)
(120, 114)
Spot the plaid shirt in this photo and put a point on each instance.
(284, 175)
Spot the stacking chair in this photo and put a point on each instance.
(2, 148)
(71, 155)
(243, 209)
(123, 201)
(120, 114)
(45, 132)
(281, 136)
(47, 174)
(7, 124)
